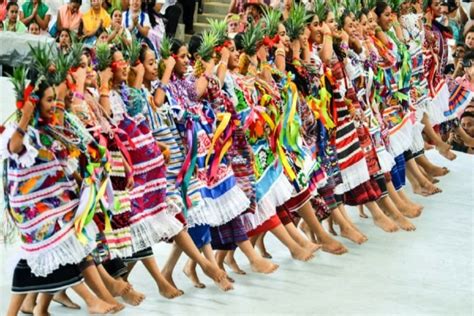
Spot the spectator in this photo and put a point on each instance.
(467, 81)
(69, 16)
(157, 20)
(189, 6)
(12, 23)
(102, 36)
(137, 21)
(253, 9)
(233, 24)
(64, 41)
(93, 20)
(36, 10)
(469, 38)
(34, 28)
(117, 32)
(3, 9)
(172, 12)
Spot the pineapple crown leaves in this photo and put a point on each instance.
(41, 54)
(132, 50)
(104, 56)
(319, 8)
(62, 65)
(395, 4)
(353, 6)
(252, 38)
(370, 4)
(165, 49)
(18, 79)
(296, 21)
(75, 54)
(271, 18)
(206, 49)
(219, 28)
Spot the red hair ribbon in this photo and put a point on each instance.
(27, 97)
(117, 64)
(270, 42)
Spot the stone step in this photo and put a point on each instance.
(216, 8)
(200, 27)
(220, 1)
(203, 18)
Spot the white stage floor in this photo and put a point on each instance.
(426, 272)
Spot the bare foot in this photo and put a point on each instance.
(332, 230)
(353, 235)
(65, 301)
(265, 254)
(301, 254)
(37, 312)
(169, 291)
(404, 223)
(429, 146)
(333, 246)
(225, 285)
(230, 261)
(133, 297)
(99, 306)
(313, 247)
(192, 275)
(446, 152)
(230, 279)
(361, 212)
(214, 272)
(263, 266)
(385, 223)
(119, 288)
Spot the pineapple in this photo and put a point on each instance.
(132, 50)
(63, 64)
(371, 4)
(75, 55)
(271, 20)
(395, 4)
(219, 28)
(104, 56)
(165, 53)
(319, 8)
(252, 38)
(296, 21)
(352, 6)
(209, 41)
(42, 59)
(18, 79)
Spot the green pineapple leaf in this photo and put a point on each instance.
(41, 54)
(62, 65)
(296, 21)
(371, 4)
(209, 41)
(319, 8)
(271, 19)
(132, 50)
(18, 79)
(252, 38)
(75, 54)
(219, 28)
(104, 56)
(165, 49)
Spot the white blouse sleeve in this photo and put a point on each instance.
(28, 156)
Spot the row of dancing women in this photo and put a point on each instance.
(214, 144)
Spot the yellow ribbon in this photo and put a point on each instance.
(224, 119)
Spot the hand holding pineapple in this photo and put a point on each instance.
(105, 76)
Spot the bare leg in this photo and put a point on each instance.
(94, 304)
(184, 241)
(227, 257)
(16, 300)
(29, 303)
(308, 232)
(119, 287)
(347, 230)
(380, 219)
(300, 239)
(95, 283)
(406, 209)
(297, 252)
(343, 211)
(130, 267)
(257, 262)
(328, 243)
(166, 289)
(65, 301)
(170, 264)
(226, 283)
(41, 308)
(425, 186)
(261, 246)
(190, 271)
(430, 168)
(331, 226)
(443, 148)
(387, 205)
(361, 212)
